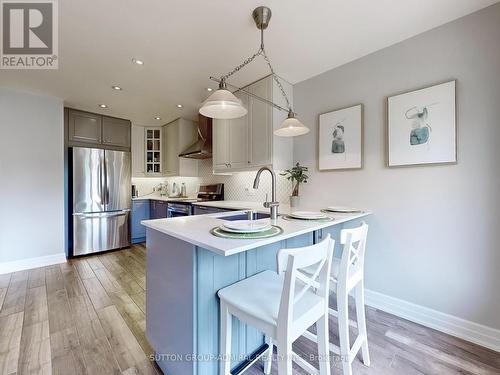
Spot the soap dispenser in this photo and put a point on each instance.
(175, 191)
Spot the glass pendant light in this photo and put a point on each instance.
(222, 104)
(291, 127)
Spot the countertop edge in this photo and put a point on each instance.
(252, 245)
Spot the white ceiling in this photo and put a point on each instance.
(184, 42)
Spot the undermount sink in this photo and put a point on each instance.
(244, 216)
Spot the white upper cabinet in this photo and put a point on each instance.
(177, 136)
(248, 143)
(261, 124)
(220, 146)
(170, 156)
(138, 152)
(154, 151)
(160, 157)
(238, 136)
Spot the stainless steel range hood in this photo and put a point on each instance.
(202, 148)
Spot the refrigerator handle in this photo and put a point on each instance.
(105, 184)
(100, 182)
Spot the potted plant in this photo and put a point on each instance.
(297, 176)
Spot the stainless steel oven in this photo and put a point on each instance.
(179, 209)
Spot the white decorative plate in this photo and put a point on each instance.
(308, 215)
(246, 226)
(342, 209)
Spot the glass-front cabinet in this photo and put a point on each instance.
(153, 151)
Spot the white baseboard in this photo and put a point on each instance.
(26, 264)
(452, 325)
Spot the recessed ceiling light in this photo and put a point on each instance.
(117, 88)
(103, 106)
(138, 62)
(179, 105)
(158, 118)
(209, 89)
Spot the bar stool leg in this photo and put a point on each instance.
(268, 361)
(323, 345)
(343, 321)
(225, 339)
(284, 356)
(361, 318)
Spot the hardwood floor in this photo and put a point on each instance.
(87, 316)
(83, 317)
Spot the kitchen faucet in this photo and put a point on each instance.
(273, 205)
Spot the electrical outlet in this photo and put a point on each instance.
(250, 191)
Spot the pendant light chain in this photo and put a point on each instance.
(276, 79)
(242, 65)
(247, 61)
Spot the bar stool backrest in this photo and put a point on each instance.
(297, 283)
(353, 256)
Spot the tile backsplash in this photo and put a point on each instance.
(238, 186)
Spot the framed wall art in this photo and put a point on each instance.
(340, 139)
(421, 126)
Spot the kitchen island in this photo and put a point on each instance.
(187, 265)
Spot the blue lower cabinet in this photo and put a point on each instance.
(183, 307)
(140, 211)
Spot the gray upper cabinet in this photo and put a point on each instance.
(84, 127)
(116, 132)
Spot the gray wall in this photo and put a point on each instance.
(435, 234)
(31, 176)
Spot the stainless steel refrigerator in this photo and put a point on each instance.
(101, 200)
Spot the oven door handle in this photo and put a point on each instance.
(173, 210)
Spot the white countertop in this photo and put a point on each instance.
(196, 230)
(283, 209)
(228, 205)
(158, 197)
(242, 205)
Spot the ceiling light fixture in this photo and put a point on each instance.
(222, 104)
(138, 62)
(179, 105)
(291, 127)
(209, 89)
(158, 118)
(117, 88)
(103, 106)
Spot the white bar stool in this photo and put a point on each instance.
(348, 274)
(283, 307)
